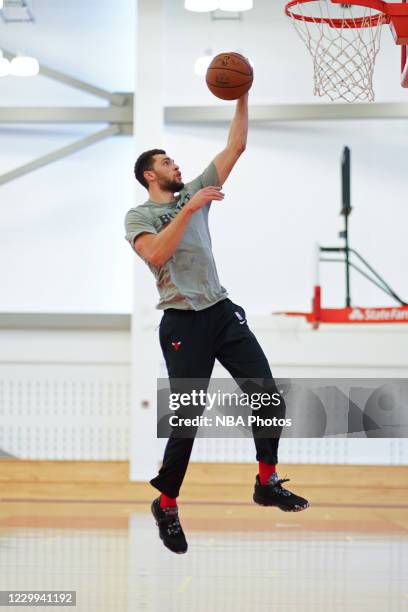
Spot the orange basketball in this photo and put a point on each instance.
(229, 76)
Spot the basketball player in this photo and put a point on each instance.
(200, 323)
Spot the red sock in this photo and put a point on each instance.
(165, 501)
(265, 471)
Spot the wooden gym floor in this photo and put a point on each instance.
(83, 526)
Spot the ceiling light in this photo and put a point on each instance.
(202, 63)
(235, 5)
(4, 65)
(23, 65)
(1, 4)
(201, 6)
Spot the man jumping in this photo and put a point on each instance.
(200, 323)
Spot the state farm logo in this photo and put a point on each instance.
(378, 314)
(356, 315)
(386, 314)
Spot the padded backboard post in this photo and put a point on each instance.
(404, 63)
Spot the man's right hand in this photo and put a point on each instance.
(203, 196)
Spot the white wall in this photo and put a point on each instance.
(285, 195)
(65, 387)
(62, 233)
(61, 228)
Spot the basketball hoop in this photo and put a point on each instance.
(344, 39)
(352, 260)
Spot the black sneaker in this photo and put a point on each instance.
(170, 529)
(273, 494)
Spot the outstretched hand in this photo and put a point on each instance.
(205, 195)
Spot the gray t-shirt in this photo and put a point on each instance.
(189, 279)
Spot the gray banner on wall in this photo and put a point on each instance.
(287, 408)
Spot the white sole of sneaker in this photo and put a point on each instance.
(295, 509)
(283, 508)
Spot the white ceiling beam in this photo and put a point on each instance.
(288, 112)
(112, 130)
(61, 77)
(204, 114)
(119, 114)
(69, 114)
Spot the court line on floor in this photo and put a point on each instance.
(191, 503)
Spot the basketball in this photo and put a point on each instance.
(229, 76)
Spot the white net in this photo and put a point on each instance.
(344, 41)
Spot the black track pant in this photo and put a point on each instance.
(205, 335)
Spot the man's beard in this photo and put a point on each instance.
(172, 186)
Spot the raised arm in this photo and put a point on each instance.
(237, 139)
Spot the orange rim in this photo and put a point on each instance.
(359, 22)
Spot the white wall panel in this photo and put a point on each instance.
(294, 350)
(65, 394)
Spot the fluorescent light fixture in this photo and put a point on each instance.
(200, 6)
(23, 66)
(1, 4)
(4, 64)
(202, 63)
(235, 5)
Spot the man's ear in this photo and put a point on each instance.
(149, 175)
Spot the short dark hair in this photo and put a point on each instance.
(145, 162)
